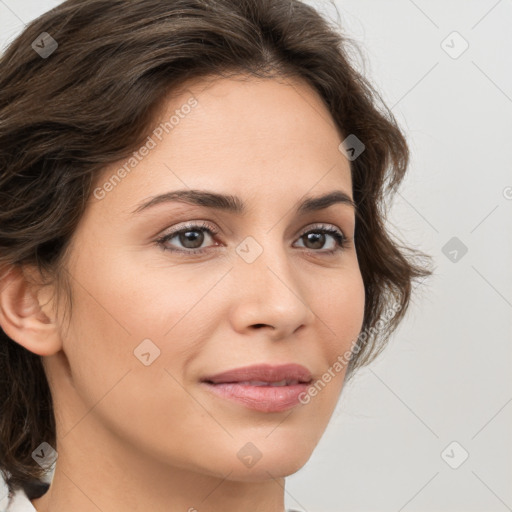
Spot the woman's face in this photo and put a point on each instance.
(152, 320)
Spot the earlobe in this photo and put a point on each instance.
(22, 317)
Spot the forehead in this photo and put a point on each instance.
(244, 136)
(245, 109)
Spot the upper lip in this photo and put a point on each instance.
(262, 372)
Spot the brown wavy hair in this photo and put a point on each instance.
(92, 102)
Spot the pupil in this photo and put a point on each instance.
(196, 237)
(316, 237)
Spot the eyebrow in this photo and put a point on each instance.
(234, 204)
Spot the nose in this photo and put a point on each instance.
(269, 293)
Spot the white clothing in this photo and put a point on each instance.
(19, 502)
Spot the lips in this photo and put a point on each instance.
(263, 374)
(263, 388)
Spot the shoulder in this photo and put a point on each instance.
(18, 501)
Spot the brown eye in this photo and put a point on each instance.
(191, 237)
(315, 239)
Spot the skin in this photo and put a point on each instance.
(136, 437)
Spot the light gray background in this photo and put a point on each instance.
(446, 375)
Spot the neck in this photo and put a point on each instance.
(105, 475)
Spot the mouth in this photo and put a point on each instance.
(263, 388)
(281, 383)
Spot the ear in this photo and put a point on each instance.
(25, 316)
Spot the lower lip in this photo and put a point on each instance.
(260, 398)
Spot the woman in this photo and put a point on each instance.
(193, 249)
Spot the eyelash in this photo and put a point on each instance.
(342, 241)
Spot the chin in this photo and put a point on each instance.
(273, 458)
(274, 466)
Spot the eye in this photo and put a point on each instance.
(191, 236)
(317, 237)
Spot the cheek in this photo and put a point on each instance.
(124, 316)
(110, 322)
(342, 310)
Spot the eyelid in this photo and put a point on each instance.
(190, 225)
(320, 225)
